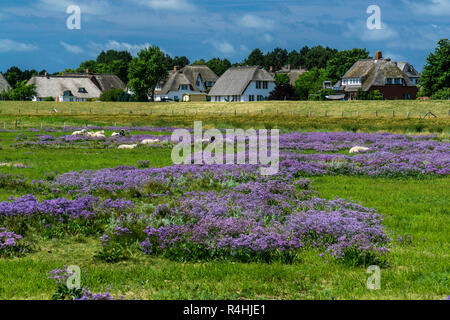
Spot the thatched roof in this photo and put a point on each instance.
(55, 86)
(293, 74)
(374, 73)
(104, 82)
(188, 76)
(236, 80)
(4, 85)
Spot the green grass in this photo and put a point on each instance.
(419, 270)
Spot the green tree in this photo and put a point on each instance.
(317, 57)
(255, 58)
(309, 83)
(343, 61)
(442, 94)
(146, 71)
(218, 65)
(436, 73)
(15, 75)
(277, 59)
(22, 92)
(281, 79)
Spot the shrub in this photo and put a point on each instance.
(443, 94)
(111, 95)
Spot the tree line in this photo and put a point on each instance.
(151, 66)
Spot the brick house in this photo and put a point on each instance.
(379, 74)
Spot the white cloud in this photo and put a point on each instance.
(222, 46)
(119, 46)
(168, 4)
(255, 22)
(431, 7)
(72, 48)
(268, 38)
(363, 33)
(8, 45)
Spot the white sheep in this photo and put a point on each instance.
(115, 134)
(79, 133)
(127, 146)
(149, 141)
(358, 149)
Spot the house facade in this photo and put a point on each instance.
(4, 85)
(190, 80)
(379, 74)
(242, 84)
(74, 87)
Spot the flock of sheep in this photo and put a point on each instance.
(101, 135)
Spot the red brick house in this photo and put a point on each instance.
(379, 74)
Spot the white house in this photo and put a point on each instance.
(189, 80)
(74, 87)
(242, 84)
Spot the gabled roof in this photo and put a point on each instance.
(236, 80)
(188, 76)
(55, 86)
(4, 85)
(408, 69)
(374, 73)
(103, 81)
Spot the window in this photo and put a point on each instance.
(251, 98)
(184, 87)
(82, 90)
(265, 85)
(398, 81)
(388, 80)
(407, 96)
(210, 84)
(344, 82)
(199, 83)
(260, 98)
(67, 93)
(258, 84)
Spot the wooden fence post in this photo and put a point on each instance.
(376, 113)
(393, 113)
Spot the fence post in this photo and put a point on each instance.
(407, 114)
(342, 114)
(393, 113)
(309, 114)
(326, 113)
(376, 113)
(15, 125)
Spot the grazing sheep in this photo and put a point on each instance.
(115, 134)
(149, 141)
(127, 146)
(358, 149)
(79, 133)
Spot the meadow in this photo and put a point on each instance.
(403, 179)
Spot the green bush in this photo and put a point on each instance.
(443, 94)
(111, 95)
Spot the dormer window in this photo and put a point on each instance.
(82, 90)
(68, 93)
(184, 87)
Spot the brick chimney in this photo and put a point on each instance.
(271, 69)
(378, 55)
(175, 68)
(87, 70)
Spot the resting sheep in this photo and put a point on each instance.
(79, 133)
(149, 141)
(358, 149)
(115, 134)
(127, 146)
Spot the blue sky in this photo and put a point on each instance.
(33, 34)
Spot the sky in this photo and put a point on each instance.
(34, 33)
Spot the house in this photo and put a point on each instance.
(4, 85)
(292, 73)
(379, 74)
(190, 79)
(74, 87)
(410, 71)
(243, 84)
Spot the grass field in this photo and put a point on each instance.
(416, 269)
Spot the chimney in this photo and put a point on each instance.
(378, 55)
(271, 69)
(175, 68)
(87, 70)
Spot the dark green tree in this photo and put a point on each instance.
(317, 57)
(255, 58)
(146, 71)
(436, 73)
(218, 65)
(277, 59)
(343, 61)
(310, 83)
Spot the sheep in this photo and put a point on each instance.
(79, 133)
(98, 135)
(115, 134)
(358, 149)
(149, 141)
(127, 146)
